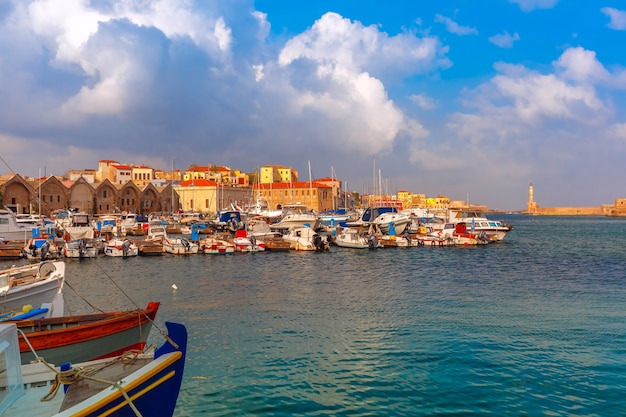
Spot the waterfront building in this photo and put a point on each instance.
(317, 196)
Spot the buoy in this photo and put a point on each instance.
(27, 308)
(174, 287)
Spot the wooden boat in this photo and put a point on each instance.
(86, 337)
(11, 250)
(33, 284)
(150, 247)
(276, 244)
(146, 384)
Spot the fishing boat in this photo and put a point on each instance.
(243, 243)
(180, 246)
(40, 248)
(217, 244)
(33, 284)
(145, 384)
(85, 337)
(121, 247)
(80, 248)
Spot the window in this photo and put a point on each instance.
(104, 193)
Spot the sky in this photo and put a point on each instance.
(474, 100)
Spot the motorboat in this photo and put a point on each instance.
(180, 246)
(217, 245)
(305, 239)
(121, 247)
(296, 215)
(356, 238)
(243, 243)
(476, 221)
(10, 229)
(30, 285)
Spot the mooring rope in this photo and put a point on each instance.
(74, 375)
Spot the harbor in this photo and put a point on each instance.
(531, 325)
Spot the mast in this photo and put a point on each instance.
(172, 185)
(311, 186)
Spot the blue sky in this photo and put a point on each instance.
(466, 99)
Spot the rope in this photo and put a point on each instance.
(74, 375)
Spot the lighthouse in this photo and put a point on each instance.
(532, 206)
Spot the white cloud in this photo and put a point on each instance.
(337, 56)
(518, 100)
(580, 65)
(530, 5)
(424, 102)
(617, 18)
(453, 27)
(504, 40)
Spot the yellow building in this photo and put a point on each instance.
(207, 196)
(141, 175)
(275, 173)
(316, 196)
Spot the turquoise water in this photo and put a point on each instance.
(533, 326)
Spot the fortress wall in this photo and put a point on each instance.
(569, 211)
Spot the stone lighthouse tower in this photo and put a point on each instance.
(532, 206)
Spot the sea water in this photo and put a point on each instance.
(532, 326)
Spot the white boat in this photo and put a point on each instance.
(476, 221)
(399, 221)
(217, 245)
(304, 238)
(356, 238)
(121, 247)
(382, 217)
(180, 246)
(10, 229)
(296, 215)
(133, 384)
(40, 248)
(243, 243)
(33, 284)
(80, 248)
(458, 234)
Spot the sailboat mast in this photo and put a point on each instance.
(311, 186)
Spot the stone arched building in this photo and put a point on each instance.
(19, 195)
(47, 195)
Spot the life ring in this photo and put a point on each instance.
(439, 233)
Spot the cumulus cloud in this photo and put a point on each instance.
(617, 18)
(504, 40)
(453, 27)
(530, 5)
(518, 99)
(334, 60)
